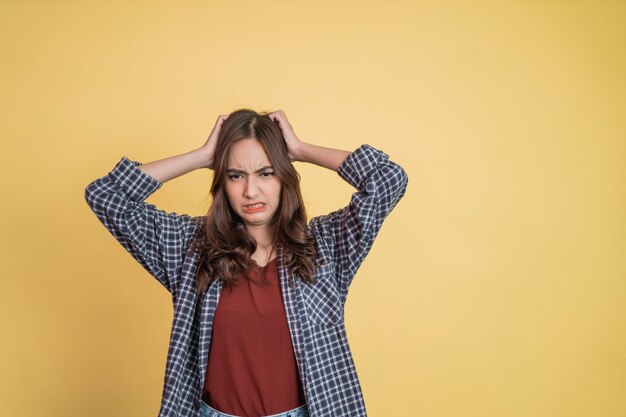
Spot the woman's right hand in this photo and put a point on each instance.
(209, 147)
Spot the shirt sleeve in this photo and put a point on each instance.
(349, 232)
(156, 239)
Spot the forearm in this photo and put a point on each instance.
(319, 155)
(169, 168)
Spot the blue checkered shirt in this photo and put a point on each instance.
(160, 242)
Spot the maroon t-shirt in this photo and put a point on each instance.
(252, 369)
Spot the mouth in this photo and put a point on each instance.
(253, 208)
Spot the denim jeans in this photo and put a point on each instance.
(208, 411)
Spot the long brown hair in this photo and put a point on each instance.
(224, 244)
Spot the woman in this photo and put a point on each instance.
(274, 342)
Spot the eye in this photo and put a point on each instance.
(232, 176)
(267, 174)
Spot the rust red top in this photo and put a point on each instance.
(252, 368)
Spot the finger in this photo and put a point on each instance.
(280, 117)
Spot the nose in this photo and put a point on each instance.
(250, 188)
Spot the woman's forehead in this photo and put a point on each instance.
(248, 155)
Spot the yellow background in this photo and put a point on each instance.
(495, 288)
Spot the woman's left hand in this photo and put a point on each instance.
(292, 141)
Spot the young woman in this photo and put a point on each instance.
(258, 293)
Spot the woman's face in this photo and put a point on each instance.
(250, 179)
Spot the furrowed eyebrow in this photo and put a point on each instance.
(238, 171)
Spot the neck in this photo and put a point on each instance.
(262, 237)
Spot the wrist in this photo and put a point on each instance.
(201, 159)
(301, 153)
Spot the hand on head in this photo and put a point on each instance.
(211, 143)
(292, 141)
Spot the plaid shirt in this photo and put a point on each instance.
(160, 242)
